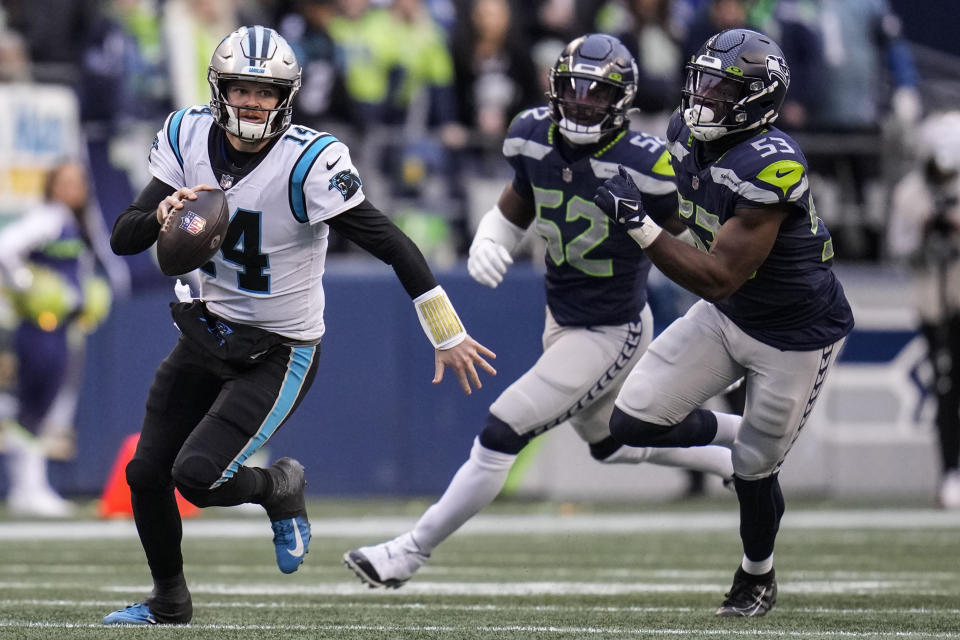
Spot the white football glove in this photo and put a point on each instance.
(495, 239)
(182, 291)
(488, 262)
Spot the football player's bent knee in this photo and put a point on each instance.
(752, 463)
(194, 475)
(499, 436)
(635, 432)
(143, 475)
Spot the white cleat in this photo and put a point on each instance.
(388, 564)
(41, 502)
(949, 494)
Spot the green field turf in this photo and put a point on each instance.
(517, 571)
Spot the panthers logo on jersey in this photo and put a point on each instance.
(346, 182)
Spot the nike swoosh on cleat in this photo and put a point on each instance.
(331, 165)
(755, 605)
(297, 551)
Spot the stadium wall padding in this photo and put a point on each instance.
(374, 425)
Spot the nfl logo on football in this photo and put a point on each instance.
(192, 223)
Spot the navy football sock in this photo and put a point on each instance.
(761, 507)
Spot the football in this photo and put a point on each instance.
(192, 235)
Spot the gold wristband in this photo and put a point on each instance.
(439, 319)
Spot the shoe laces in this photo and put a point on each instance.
(282, 530)
(142, 611)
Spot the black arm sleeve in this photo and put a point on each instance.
(137, 227)
(371, 230)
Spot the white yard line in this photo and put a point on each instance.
(506, 588)
(503, 524)
(504, 631)
(416, 606)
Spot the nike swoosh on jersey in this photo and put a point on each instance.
(331, 165)
(785, 173)
(297, 551)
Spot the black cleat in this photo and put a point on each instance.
(750, 595)
(286, 500)
(168, 604)
(286, 508)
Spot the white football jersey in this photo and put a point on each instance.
(268, 271)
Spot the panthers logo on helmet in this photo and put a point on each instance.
(346, 183)
(777, 68)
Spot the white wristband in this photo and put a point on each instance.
(495, 226)
(439, 319)
(646, 233)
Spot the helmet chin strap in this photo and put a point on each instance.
(255, 132)
(695, 117)
(249, 131)
(579, 134)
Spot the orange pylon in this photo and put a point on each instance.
(115, 500)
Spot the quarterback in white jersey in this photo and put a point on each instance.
(249, 346)
(306, 178)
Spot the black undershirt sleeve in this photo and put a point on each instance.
(371, 230)
(137, 227)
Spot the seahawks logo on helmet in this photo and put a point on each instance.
(346, 182)
(777, 69)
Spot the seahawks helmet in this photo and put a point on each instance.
(591, 86)
(736, 82)
(256, 54)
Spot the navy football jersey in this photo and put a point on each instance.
(794, 300)
(596, 274)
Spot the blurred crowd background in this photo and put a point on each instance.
(422, 92)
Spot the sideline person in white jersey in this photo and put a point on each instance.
(773, 311)
(598, 321)
(249, 345)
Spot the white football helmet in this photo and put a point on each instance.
(255, 54)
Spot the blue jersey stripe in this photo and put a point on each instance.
(301, 358)
(298, 199)
(173, 134)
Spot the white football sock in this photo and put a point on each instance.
(728, 424)
(757, 568)
(709, 459)
(472, 488)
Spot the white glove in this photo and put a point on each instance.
(182, 291)
(488, 262)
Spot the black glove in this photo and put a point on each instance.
(620, 199)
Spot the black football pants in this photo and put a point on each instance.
(204, 417)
